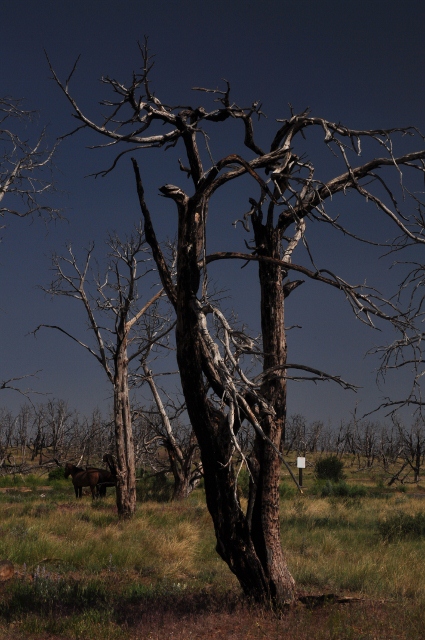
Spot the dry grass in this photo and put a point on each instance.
(335, 545)
(158, 576)
(80, 537)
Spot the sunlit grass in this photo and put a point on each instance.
(93, 539)
(335, 545)
(332, 544)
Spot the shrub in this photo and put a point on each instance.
(341, 490)
(402, 525)
(329, 468)
(157, 488)
(56, 474)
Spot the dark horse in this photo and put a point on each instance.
(106, 479)
(96, 479)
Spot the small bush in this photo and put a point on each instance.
(155, 488)
(56, 474)
(402, 525)
(11, 480)
(329, 468)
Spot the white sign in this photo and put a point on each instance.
(301, 463)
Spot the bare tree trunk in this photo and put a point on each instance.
(253, 554)
(126, 471)
(265, 526)
(186, 478)
(418, 456)
(182, 487)
(181, 459)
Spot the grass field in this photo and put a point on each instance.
(82, 574)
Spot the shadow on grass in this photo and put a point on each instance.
(48, 595)
(102, 610)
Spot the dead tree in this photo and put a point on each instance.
(25, 180)
(114, 299)
(295, 433)
(24, 166)
(288, 194)
(412, 447)
(179, 443)
(7, 428)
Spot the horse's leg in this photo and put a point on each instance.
(76, 490)
(93, 491)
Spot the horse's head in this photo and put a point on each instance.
(68, 469)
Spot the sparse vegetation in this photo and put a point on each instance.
(341, 489)
(82, 574)
(401, 525)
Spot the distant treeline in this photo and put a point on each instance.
(40, 436)
(43, 435)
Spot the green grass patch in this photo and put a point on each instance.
(327, 489)
(401, 526)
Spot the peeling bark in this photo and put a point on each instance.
(126, 468)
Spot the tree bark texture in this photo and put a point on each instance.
(252, 550)
(265, 522)
(248, 543)
(126, 473)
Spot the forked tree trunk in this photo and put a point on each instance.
(181, 463)
(126, 471)
(251, 547)
(248, 543)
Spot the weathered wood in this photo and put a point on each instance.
(126, 469)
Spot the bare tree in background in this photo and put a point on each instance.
(25, 178)
(30, 440)
(112, 303)
(412, 448)
(25, 166)
(288, 195)
(179, 442)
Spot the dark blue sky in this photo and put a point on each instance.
(361, 63)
